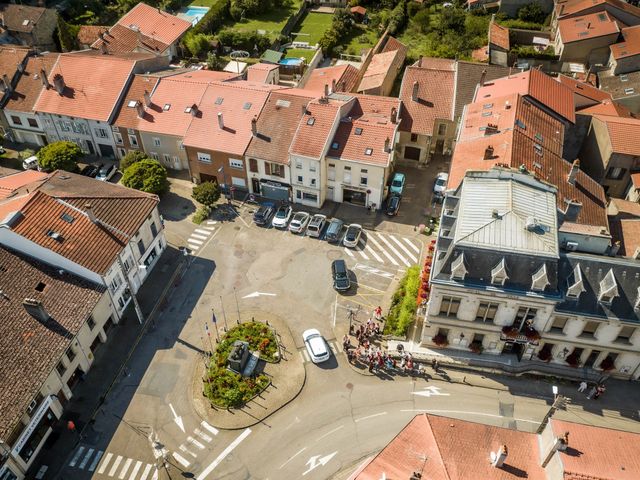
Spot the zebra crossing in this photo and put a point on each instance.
(386, 249)
(195, 443)
(201, 234)
(333, 345)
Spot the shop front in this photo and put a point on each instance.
(273, 190)
(355, 195)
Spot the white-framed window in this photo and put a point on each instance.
(101, 132)
(312, 167)
(131, 131)
(133, 141)
(363, 180)
(313, 182)
(449, 306)
(154, 155)
(156, 142)
(346, 176)
(118, 138)
(122, 152)
(298, 164)
(204, 157)
(166, 157)
(331, 172)
(115, 128)
(300, 179)
(115, 283)
(235, 163)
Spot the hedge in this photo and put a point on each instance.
(403, 304)
(214, 18)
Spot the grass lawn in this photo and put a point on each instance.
(360, 38)
(271, 22)
(312, 27)
(300, 52)
(204, 3)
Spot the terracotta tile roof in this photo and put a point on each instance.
(587, 27)
(393, 44)
(441, 448)
(608, 107)
(238, 102)
(540, 86)
(573, 7)
(365, 131)
(434, 99)
(259, 72)
(624, 220)
(15, 16)
(345, 76)
(635, 180)
(499, 36)
(514, 145)
(315, 128)
(11, 183)
(433, 63)
(93, 86)
(88, 34)
(33, 347)
(127, 116)
(584, 89)
(359, 9)
(61, 192)
(155, 23)
(120, 39)
(277, 125)
(468, 75)
(630, 46)
(29, 87)
(480, 54)
(623, 134)
(390, 59)
(10, 58)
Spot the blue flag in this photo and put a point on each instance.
(213, 314)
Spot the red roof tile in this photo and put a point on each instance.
(433, 63)
(155, 23)
(10, 58)
(587, 27)
(259, 72)
(434, 99)
(543, 88)
(315, 128)
(584, 89)
(27, 91)
(499, 36)
(635, 180)
(10, 183)
(393, 44)
(573, 7)
(93, 86)
(88, 34)
(388, 61)
(630, 46)
(345, 76)
(127, 116)
(623, 133)
(359, 9)
(608, 107)
(624, 220)
(120, 39)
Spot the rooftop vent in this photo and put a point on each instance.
(55, 235)
(488, 153)
(498, 458)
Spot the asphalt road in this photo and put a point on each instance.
(340, 418)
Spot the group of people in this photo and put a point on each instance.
(595, 391)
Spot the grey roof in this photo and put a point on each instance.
(467, 78)
(618, 85)
(594, 270)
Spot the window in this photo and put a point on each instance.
(368, 151)
(118, 138)
(313, 182)
(625, 334)
(538, 137)
(133, 141)
(91, 323)
(331, 172)
(156, 142)
(235, 163)
(246, 106)
(131, 131)
(358, 131)
(524, 317)
(276, 170)
(486, 114)
(521, 125)
(167, 158)
(311, 121)
(442, 129)
(363, 180)
(616, 173)
(624, 78)
(537, 148)
(154, 229)
(486, 312)
(141, 247)
(414, 137)
(298, 164)
(166, 107)
(253, 165)
(204, 157)
(589, 329)
(115, 283)
(300, 179)
(487, 105)
(449, 306)
(101, 132)
(154, 155)
(335, 145)
(67, 218)
(309, 197)
(16, 120)
(346, 176)
(71, 355)
(127, 264)
(312, 167)
(181, 145)
(61, 369)
(629, 91)
(219, 101)
(32, 122)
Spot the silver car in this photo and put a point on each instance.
(299, 222)
(316, 225)
(316, 346)
(352, 237)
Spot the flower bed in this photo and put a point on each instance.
(403, 303)
(225, 388)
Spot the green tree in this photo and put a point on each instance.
(197, 43)
(214, 62)
(67, 35)
(131, 158)
(452, 19)
(532, 12)
(147, 176)
(59, 156)
(207, 193)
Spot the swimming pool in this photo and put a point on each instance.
(290, 61)
(193, 14)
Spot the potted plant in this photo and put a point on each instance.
(440, 340)
(510, 331)
(607, 364)
(476, 347)
(573, 360)
(532, 334)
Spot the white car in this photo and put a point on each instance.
(299, 222)
(282, 216)
(316, 346)
(352, 237)
(441, 183)
(316, 225)
(106, 172)
(30, 163)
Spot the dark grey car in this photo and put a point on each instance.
(340, 275)
(334, 230)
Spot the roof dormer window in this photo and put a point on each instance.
(575, 285)
(499, 273)
(608, 288)
(458, 270)
(540, 280)
(636, 305)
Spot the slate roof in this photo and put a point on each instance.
(20, 18)
(468, 75)
(33, 347)
(434, 100)
(594, 268)
(345, 75)
(29, 87)
(620, 86)
(277, 125)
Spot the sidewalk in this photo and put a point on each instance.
(110, 358)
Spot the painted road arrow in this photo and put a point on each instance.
(431, 391)
(258, 294)
(316, 461)
(177, 419)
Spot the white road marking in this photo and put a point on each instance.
(373, 252)
(291, 458)
(181, 459)
(186, 450)
(155, 475)
(384, 252)
(145, 472)
(462, 412)
(396, 253)
(370, 416)
(195, 442)
(204, 232)
(209, 427)
(115, 465)
(210, 229)
(202, 435)
(224, 454)
(405, 249)
(374, 271)
(431, 391)
(196, 241)
(125, 467)
(103, 467)
(197, 236)
(75, 458)
(348, 252)
(86, 459)
(410, 243)
(211, 222)
(96, 459)
(134, 472)
(316, 461)
(194, 246)
(335, 310)
(330, 432)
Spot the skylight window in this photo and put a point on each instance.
(520, 124)
(624, 78)
(486, 114)
(41, 286)
(487, 105)
(335, 145)
(358, 131)
(67, 218)
(538, 149)
(187, 110)
(368, 151)
(538, 137)
(246, 106)
(629, 91)
(283, 103)
(54, 235)
(219, 100)
(311, 121)
(166, 107)
(132, 103)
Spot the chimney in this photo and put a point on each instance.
(572, 211)
(7, 82)
(588, 25)
(44, 78)
(420, 61)
(414, 92)
(220, 121)
(575, 167)
(101, 35)
(304, 109)
(103, 48)
(326, 90)
(344, 86)
(36, 309)
(194, 110)
(147, 98)
(333, 85)
(387, 145)
(613, 250)
(498, 458)
(561, 444)
(488, 153)
(90, 214)
(3, 86)
(394, 114)
(483, 77)
(21, 67)
(254, 126)
(140, 109)
(58, 83)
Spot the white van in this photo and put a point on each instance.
(30, 163)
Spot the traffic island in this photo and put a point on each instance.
(255, 370)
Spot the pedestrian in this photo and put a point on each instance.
(378, 313)
(592, 392)
(345, 339)
(370, 366)
(599, 391)
(436, 366)
(433, 363)
(583, 386)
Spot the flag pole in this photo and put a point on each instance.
(215, 325)
(224, 315)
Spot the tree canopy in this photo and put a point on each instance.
(147, 176)
(59, 156)
(207, 193)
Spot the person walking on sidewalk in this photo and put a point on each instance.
(583, 386)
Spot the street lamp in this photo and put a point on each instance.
(559, 401)
(224, 179)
